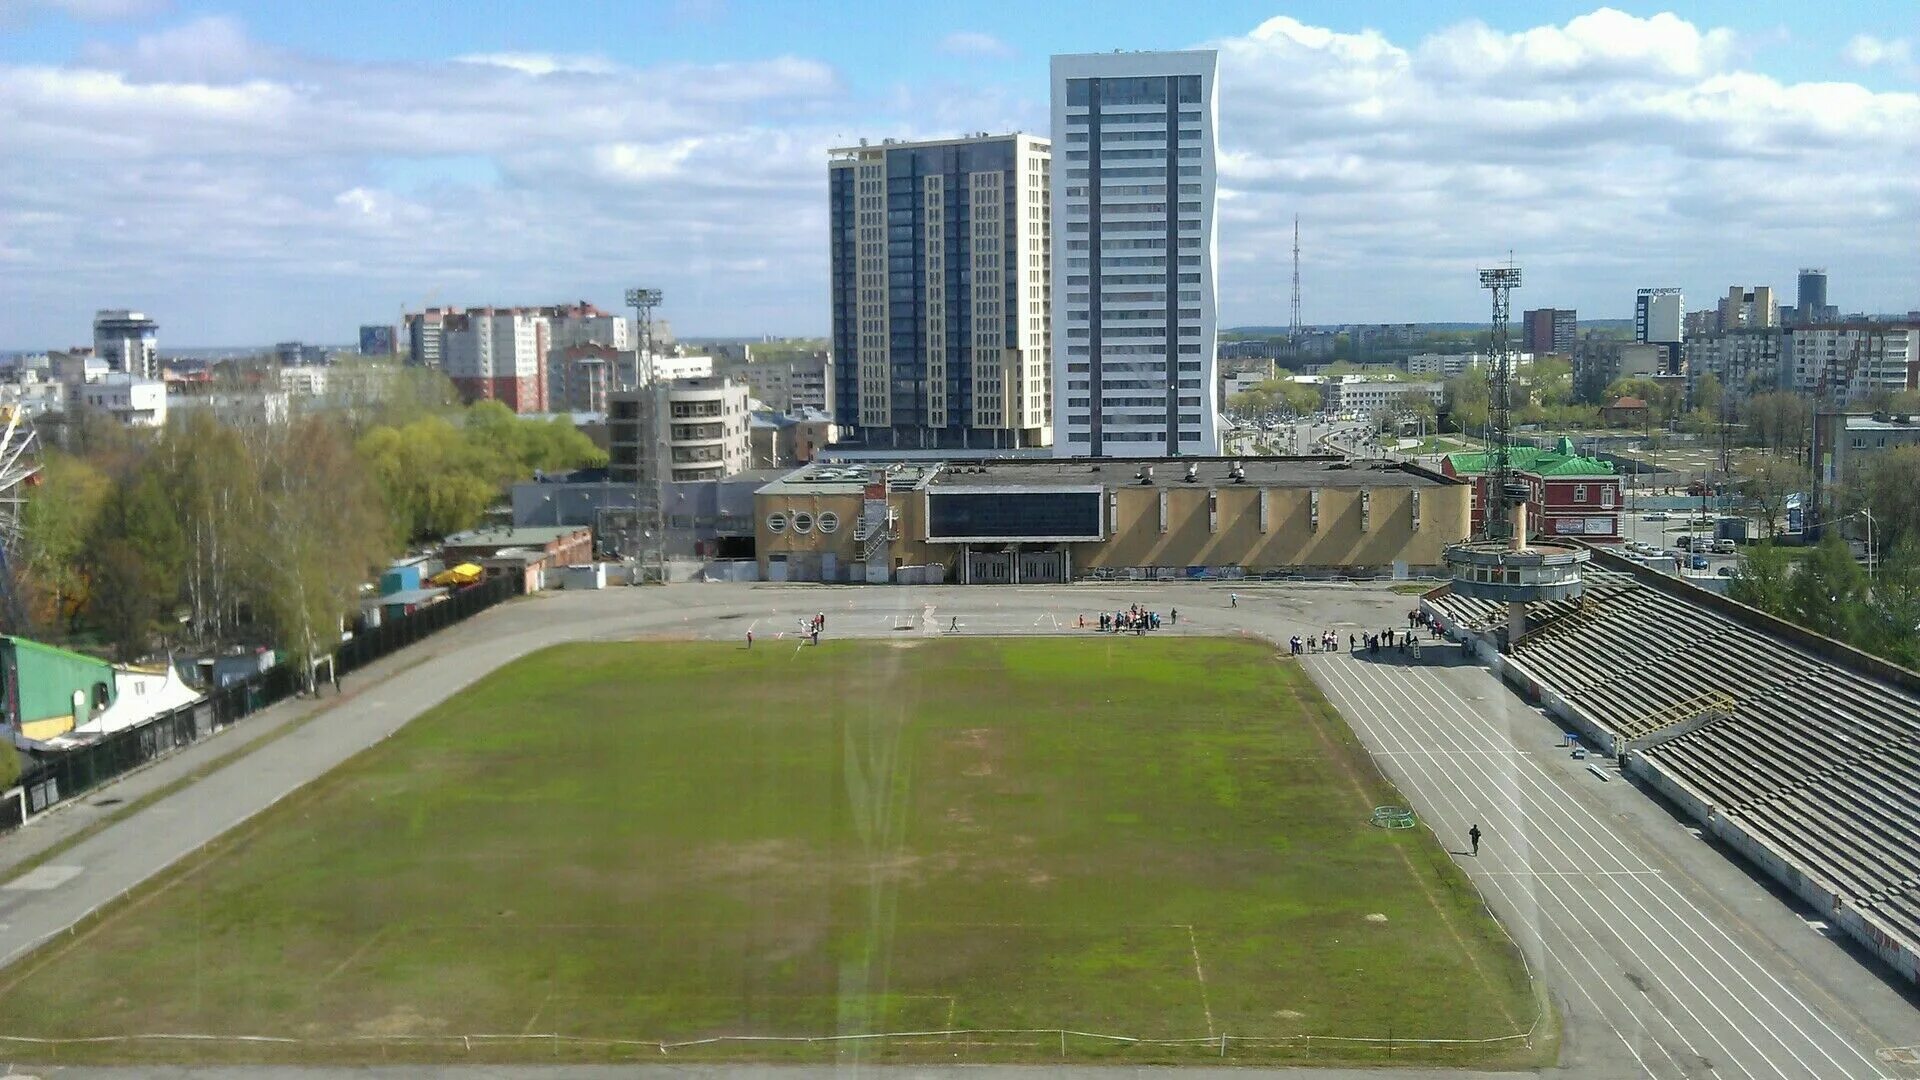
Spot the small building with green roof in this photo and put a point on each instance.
(1572, 494)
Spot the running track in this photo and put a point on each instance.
(1679, 995)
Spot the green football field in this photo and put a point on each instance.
(1111, 849)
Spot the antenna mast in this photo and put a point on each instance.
(1293, 328)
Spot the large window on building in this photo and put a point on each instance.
(1013, 515)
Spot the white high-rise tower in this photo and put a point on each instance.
(1133, 254)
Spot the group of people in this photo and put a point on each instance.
(1327, 641)
(1135, 619)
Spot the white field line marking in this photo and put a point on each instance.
(537, 1011)
(1573, 873)
(1200, 974)
(1350, 705)
(1494, 790)
(1528, 784)
(1542, 781)
(352, 956)
(1613, 842)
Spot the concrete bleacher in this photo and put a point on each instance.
(1815, 762)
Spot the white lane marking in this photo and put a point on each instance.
(1513, 785)
(1349, 704)
(1610, 840)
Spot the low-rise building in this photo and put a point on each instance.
(1569, 494)
(791, 383)
(306, 381)
(538, 547)
(1628, 412)
(1357, 393)
(1054, 520)
(235, 408)
(1847, 443)
(133, 401)
(707, 429)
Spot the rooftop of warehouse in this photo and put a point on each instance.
(1304, 472)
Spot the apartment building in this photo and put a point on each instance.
(1748, 309)
(1550, 330)
(1134, 339)
(496, 354)
(941, 291)
(708, 430)
(128, 341)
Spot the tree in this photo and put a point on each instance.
(1552, 381)
(1762, 580)
(1829, 590)
(325, 530)
(1780, 420)
(59, 520)
(1892, 623)
(1467, 399)
(1888, 487)
(1708, 394)
(134, 563)
(1767, 481)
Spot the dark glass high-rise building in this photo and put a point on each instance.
(941, 289)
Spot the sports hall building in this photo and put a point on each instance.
(1037, 521)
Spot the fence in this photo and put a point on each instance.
(78, 771)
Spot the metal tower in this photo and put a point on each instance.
(1293, 328)
(647, 545)
(1502, 565)
(1502, 492)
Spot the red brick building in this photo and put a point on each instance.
(1570, 495)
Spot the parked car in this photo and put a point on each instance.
(1724, 547)
(1656, 515)
(1697, 562)
(1725, 571)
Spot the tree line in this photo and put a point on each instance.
(202, 534)
(1828, 592)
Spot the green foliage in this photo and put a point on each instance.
(438, 478)
(1829, 589)
(1765, 482)
(1551, 379)
(1275, 396)
(57, 523)
(1890, 488)
(1779, 420)
(1762, 579)
(1467, 399)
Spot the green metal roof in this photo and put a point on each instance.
(1562, 460)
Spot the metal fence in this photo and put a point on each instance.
(71, 774)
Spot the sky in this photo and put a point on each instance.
(254, 172)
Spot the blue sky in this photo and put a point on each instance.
(292, 169)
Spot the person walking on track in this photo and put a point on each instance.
(1473, 836)
(1234, 599)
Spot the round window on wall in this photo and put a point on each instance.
(777, 522)
(802, 521)
(829, 521)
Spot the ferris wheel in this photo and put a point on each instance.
(19, 474)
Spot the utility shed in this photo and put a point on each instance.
(38, 683)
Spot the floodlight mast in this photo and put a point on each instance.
(1503, 492)
(647, 545)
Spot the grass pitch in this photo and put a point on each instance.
(617, 846)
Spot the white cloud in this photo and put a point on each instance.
(1866, 50)
(542, 63)
(975, 44)
(248, 194)
(212, 48)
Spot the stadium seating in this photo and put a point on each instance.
(1818, 763)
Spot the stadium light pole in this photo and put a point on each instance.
(649, 506)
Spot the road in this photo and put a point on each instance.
(1665, 957)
